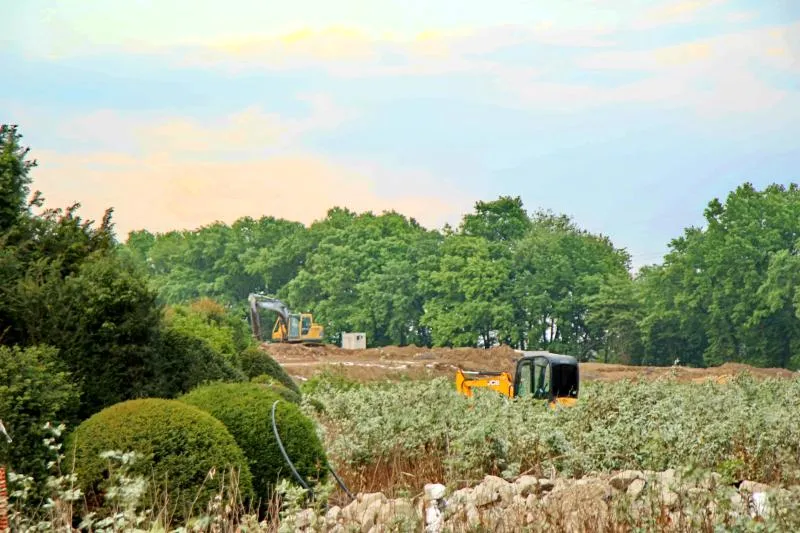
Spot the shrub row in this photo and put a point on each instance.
(215, 428)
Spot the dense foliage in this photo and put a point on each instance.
(744, 429)
(255, 362)
(729, 291)
(726, 292)
(34, 391)
(67, 284)
(245, 409)
(178, 447)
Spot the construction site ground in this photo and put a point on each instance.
(412, 362)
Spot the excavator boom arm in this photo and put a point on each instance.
(293, 327)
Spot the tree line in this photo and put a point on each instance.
(726, 291)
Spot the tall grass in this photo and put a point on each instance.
(418, 432)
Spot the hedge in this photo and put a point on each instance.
(178, 445)
(245, 409)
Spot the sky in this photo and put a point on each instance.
(627, 115)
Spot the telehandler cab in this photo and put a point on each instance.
(543, 375)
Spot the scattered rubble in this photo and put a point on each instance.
(496, 504)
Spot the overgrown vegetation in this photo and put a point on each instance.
(745, 429)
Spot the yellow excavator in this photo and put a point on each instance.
(543, 375)
(289, 327)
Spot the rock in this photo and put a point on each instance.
(529, 518)
(461, 496)
(751, 487)
(338, 528)
(667, 478)
(484, 495)
(759, 505)
(635, 488)
(333, 515)
(530, 501)
(491, 489)
(669, 499)
(580, 504)
(473, 516)
(399, 510)
(623, 480)
(370, 516)
(355, 510)
(434, 491)
(349, 511)
(546, 485)
(527, 485)
(696, 493)
(377, 528)
(304, 518)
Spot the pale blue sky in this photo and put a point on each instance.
(627, 115)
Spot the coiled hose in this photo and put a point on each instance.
(296, 474)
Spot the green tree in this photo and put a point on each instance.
(361, 273)
(468, 294)
(726, 291)
(14, 177)
(503, 219)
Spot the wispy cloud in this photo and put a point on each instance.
(162, 193)
(177, 173)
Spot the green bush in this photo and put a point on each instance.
(255, 362)
(207, 319)
(178, 446)
(245, 408)
(272, 384)
(33, 391)
(181, 362)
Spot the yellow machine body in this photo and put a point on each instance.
(302, 328)
(289, 327)
(543, 375)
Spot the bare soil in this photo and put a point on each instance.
(412, 362)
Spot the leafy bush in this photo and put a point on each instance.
(182, 362)
(256, 362)
(746, 428)
(177, 444)
(208, 320)
(245, 408)
(270, 383)
(34, 390)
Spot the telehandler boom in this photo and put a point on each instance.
(543, 375)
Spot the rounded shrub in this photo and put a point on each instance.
(245, 409)
(256, 362)
(270, 383)
(176, 444)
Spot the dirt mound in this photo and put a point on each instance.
(420, 362)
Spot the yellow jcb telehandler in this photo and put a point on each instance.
(543, 375)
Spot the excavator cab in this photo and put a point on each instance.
(542, 375)
(547, 376)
